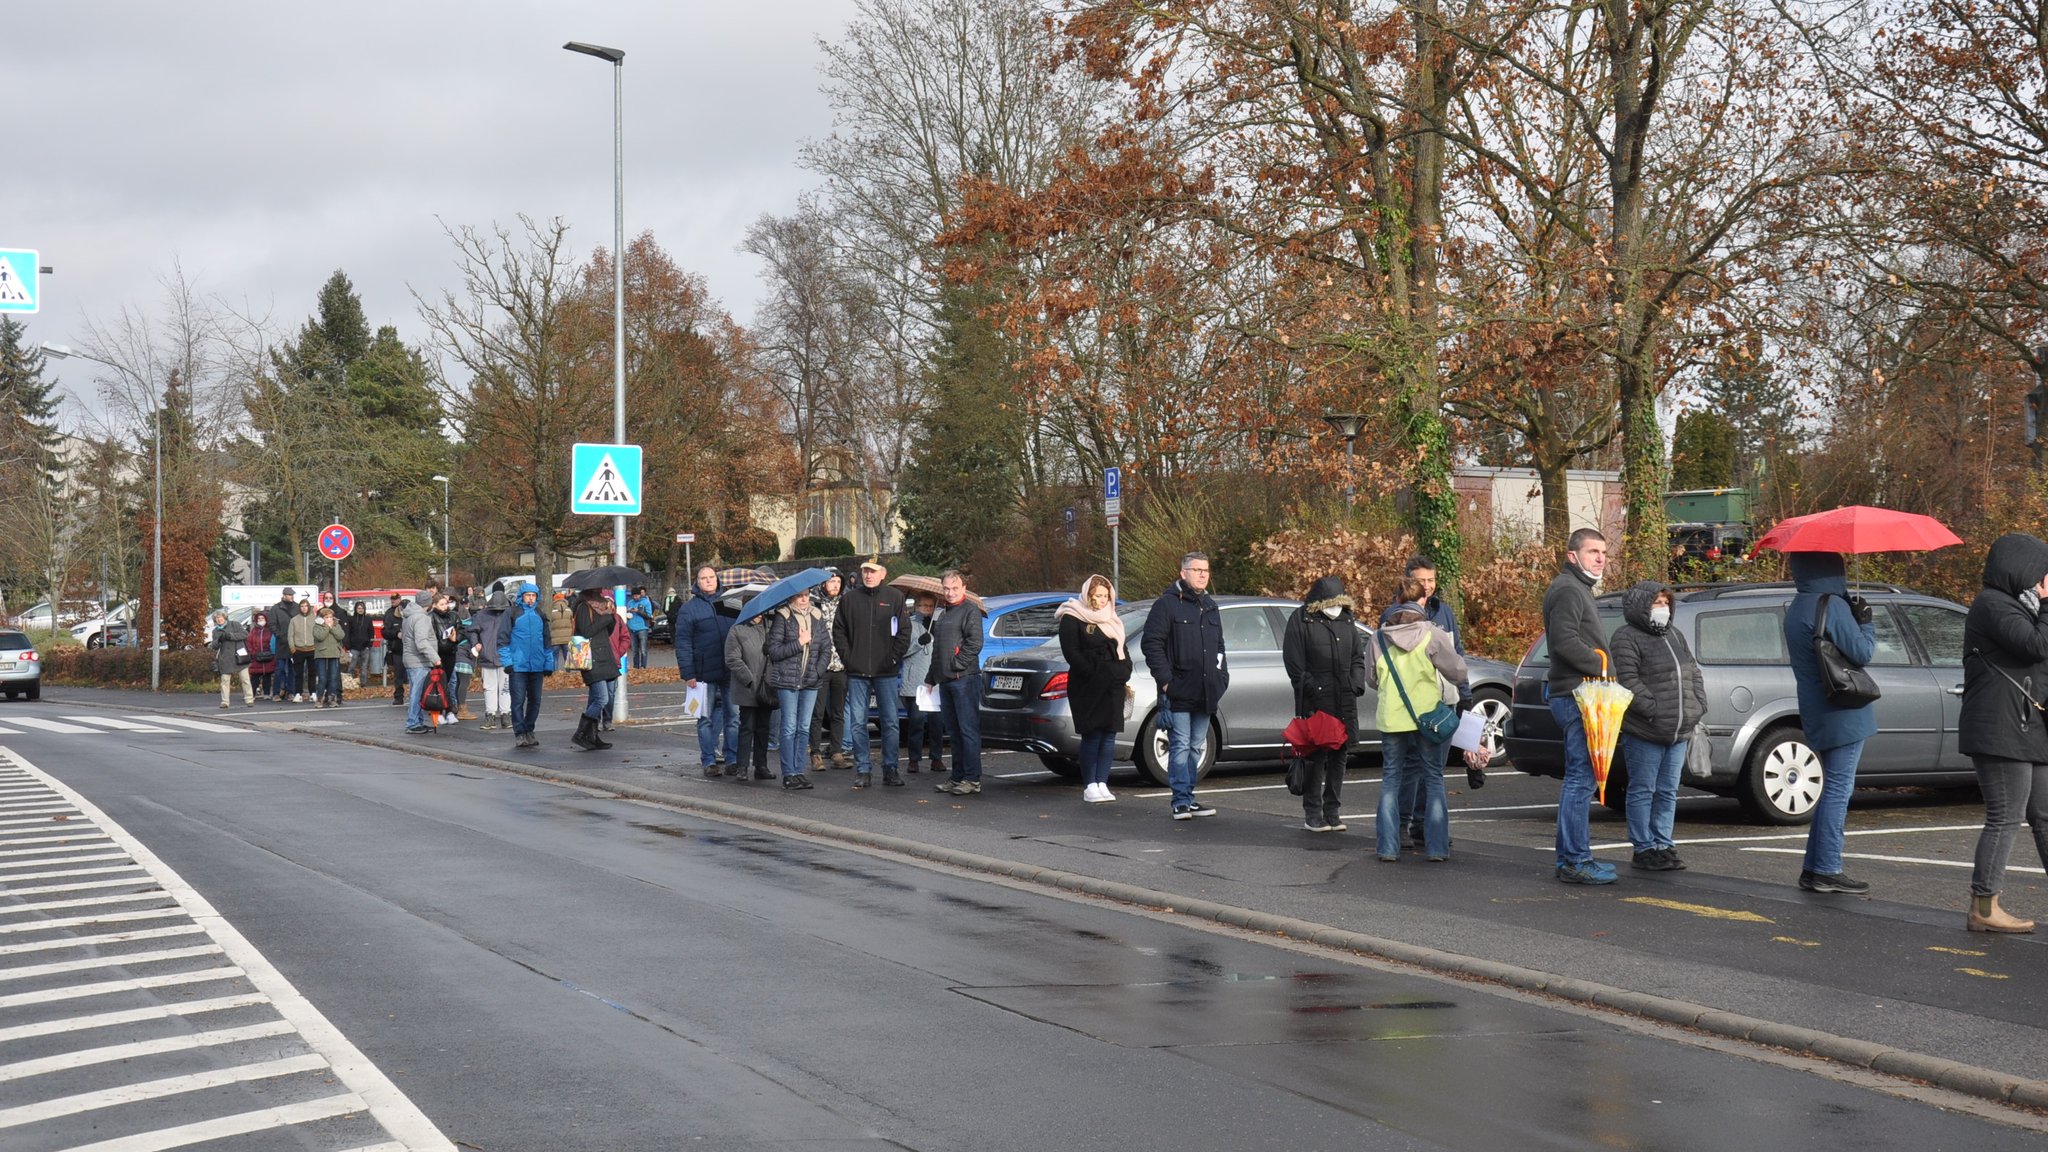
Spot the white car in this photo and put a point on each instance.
(114, 626)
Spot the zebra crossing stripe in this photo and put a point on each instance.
(195, 725)
(49, 725)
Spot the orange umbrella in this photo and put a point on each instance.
(1601, 704)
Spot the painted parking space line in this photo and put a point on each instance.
(1904, 860)
(1802, 835)
(84, 940)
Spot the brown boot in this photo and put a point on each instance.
(840, 759)
(463, 713)
(1987, 916)
(817, 762)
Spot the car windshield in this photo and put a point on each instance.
(14, 642)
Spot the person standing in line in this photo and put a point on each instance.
(1183, 648)
(1098, 680)
(330, 639)
(1578, 649)
(1440, 613)
(361, 632)
(300, 637)
(1411, 662)
(1324, 653)
(231, 659)
(920, 728)
(421, 653)
(262, 645)
(2004, 730)
(700, 626)
(527, 659)
(1835, 732)
(828, 720)
(490, 630)
(640, 620)
(281, 616)
(596, 616)
(561, 626)
(394, 647)
(870, 638)
(1652, 660)
(955, 671)
(798, 650)
(468, 648)
(747, 688)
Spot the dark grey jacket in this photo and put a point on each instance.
(1571, 622)
(1654, 663)
(225, 639)
(956, 642)
(746, 664)
(2004, 643)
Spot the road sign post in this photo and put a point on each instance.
(604, 480)
(1113, 511)
(336, 542)
(20, 280)
(686, 539)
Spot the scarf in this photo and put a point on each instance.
(1105, 618)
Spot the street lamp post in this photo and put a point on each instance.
(156, 551)
(617, 58)
(447, 552)
(1348, 425)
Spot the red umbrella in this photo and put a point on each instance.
(1857, 529)
(1321, 730)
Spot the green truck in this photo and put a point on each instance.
(1708, 524)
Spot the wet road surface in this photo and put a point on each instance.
(542, 969)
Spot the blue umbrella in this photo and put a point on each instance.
(782, 592)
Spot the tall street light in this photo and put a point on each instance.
(617, 58)
(447, 563)
(1348, 425)
(156, 551)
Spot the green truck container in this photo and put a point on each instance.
(1708, 506)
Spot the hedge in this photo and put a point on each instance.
(821, 547)
(127, 668)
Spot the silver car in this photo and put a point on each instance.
(21, 666)
(1024, 703)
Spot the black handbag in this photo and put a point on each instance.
(1846, 685)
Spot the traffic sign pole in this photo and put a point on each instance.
(1113, 510)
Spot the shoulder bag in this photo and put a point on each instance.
(1846, 685)
(1437, 724)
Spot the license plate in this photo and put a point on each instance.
(6, 665)
(1007, 683)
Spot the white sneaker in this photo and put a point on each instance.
(1092, 793)
(298, 699)
(1103, 794)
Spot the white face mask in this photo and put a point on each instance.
(1660, 615)
(1331, 610)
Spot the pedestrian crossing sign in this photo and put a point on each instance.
(604, 480)
(20, 289)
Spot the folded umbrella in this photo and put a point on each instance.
(1311, 733)
(609, 576)
(1601, 704)
(1856, 529)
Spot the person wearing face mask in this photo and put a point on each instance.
(1325, 656)
(1578, 649)
(1651, 660)
(2004, 730)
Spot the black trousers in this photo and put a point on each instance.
(1322, 786)
(828, 719)
(753, 748)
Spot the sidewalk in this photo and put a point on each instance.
(1888, 986)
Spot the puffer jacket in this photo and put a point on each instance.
(792, 664)
(561, 623)
(226, 639)
(1654, 663)
(416, 630)
(523, 637)
(746, 664)
(1826, 724)
(1183, 648)
(1326, 657)
(2005, 657)
(1421, 655)
(359, 624)
(700, 629)
(262, 645)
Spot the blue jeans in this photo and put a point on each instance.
(526, 689)
(721, 719)
(600, 699)
(1653, 771)
(639, 652)
(415, 687)
(960, 704)
(796, 728)
(1411, 756)
(1098, 750)
(1187, 740)
(327, 673)
(885, 690)
(1837, 780)
(1575, 798)
(285, 683)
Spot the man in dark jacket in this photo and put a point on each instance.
(699, 627)
(394, 647)
(281, 614)
(1422, 570)
(1183, 648)
(360, 633)
(956, 672)
(1578, 649)
(870, 637)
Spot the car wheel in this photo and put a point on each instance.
(1782, 781)
(1151, 752)
(1492, 703)
(35, 689)
(1063, 766)
(96, 640)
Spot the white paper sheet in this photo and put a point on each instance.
(1471, 731)
(927, 698)
(696, 700)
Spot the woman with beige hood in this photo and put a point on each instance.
(1098, 679)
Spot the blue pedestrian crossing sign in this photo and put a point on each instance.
(604, 480)
(20, 288)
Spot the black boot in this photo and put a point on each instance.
(600, 741)
(586, 734)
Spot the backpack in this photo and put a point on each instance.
(434, 697)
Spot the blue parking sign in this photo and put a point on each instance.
(20, 288)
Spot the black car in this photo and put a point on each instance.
(1759, 753)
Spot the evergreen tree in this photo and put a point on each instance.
(1703, 451)
(28, 402)
(960, 488)
(1759, 408)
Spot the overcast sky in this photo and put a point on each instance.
(263, 145)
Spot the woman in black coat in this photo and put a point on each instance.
(1326, 657)
(2003, 729)
(594, 617)
(1098, 679)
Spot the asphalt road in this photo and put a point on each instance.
(535, 967)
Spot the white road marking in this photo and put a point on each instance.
(86, 902)
(121, 960)
(122, 725)
(1802, 835)
(186, 1135)
(115, 1052)
(12, 732)
(195, 725)
(1021, 775)
(90, 918)
(157, 1089)
(96, 941)
(55, 850)
(50, 725)
(107, 987)
(67, 837)
(1904, 860)
(130, 1016)
(84, 886)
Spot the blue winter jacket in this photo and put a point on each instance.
(639, 614)
(1826, 725)
(523, 636)
(700, 630)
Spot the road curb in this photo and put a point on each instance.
(1952, 1075)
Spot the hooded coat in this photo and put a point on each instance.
(1654, 662)
(262, 645)
(596, 626)
(1326, 656)
(1421, 655)
(523, 636)
(746, 664)
(1827, 725)
(2005, 657)
(490, 629)
(422, 649)
(1183, 648)
(360, 625)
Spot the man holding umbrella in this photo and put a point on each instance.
(1578, 649)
